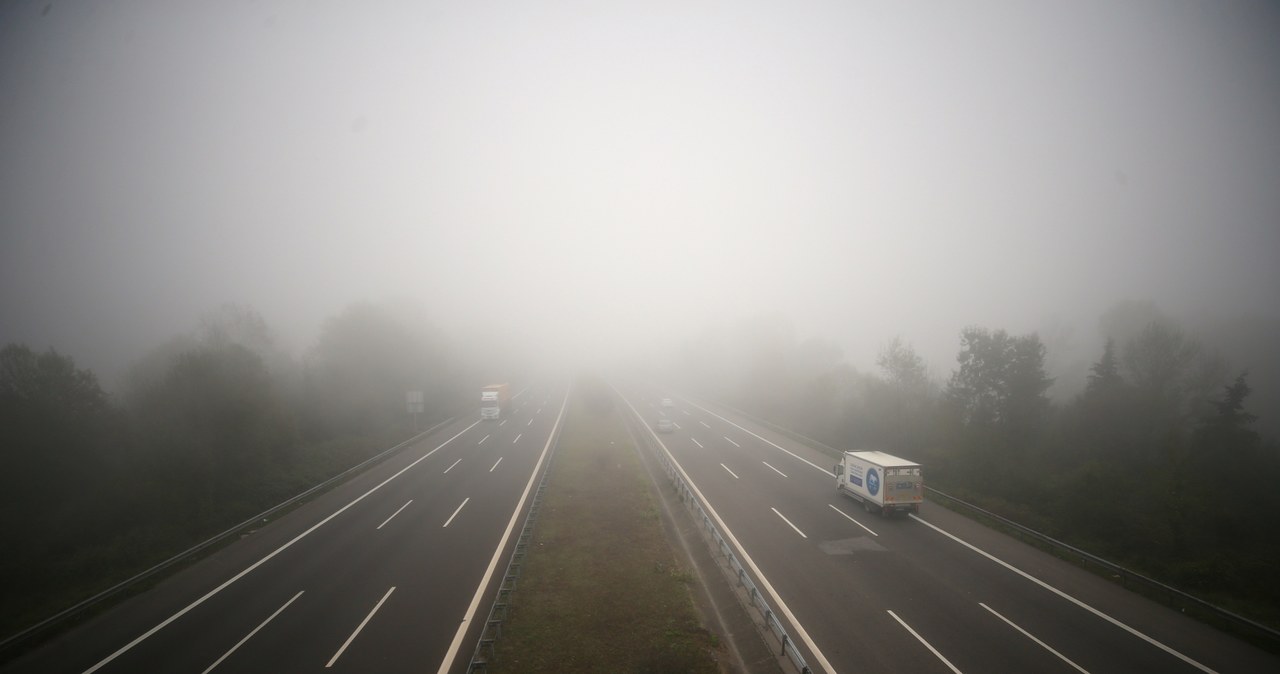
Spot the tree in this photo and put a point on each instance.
(53, 418)
(1227, 431)
(364, 361)
(902, 366)
(1104, 376)
(1001, 380)
(215, 422)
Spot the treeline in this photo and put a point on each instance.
(211, 428)
(1155, 464)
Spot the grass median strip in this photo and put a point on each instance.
(601, 590)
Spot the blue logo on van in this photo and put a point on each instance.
(873, 482)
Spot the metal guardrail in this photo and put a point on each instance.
(1127, 578)
(72, 611)
(1170, 595)
(753, 597)
(485, 648)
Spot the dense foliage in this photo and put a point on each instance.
(1155, 464)
(214, 427)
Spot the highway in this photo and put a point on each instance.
(928, 593)
(392, 571)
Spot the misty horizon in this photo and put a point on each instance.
(597, 182)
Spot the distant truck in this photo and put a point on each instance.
(495, 400)
(885, 484)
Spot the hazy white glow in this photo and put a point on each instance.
(593, 176)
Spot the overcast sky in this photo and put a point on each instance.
(592, 174)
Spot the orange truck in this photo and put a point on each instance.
(495, 400)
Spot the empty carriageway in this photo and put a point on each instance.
(933, 593)
(381, 573)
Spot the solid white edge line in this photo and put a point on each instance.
(495, 464)
(776, 445)
(452, 465)
(699, 444)
(1066, 596)
(397, 512)
(784, 519)
(926, 644)
(775, 469)
(250, 635)
(1055, 590)
(455, 513)
(706, 504)
(846, 516)
(735, 475)
(497, 554)
(359, 627)
(262, 561)
(731, 441)
(1028, 635)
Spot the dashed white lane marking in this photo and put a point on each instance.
(360, 627)
(774, 469)
(1029, 636)
(846, 516)
(397, 512)
(455, 513)
(784, 519)
(926, 644)
(249, 635)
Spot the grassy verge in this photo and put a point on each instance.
(601, 590)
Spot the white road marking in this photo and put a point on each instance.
(784, 519)
(686, 413)
(1066, 596)
(735, 475)
(123, 649)
(451, 466)
(502, 422)
(397, 512)
(699, 444)
(731, 441)
(825, 471)
(528, 422)
(774, 469)
(846, 515)
(1029, 636)
(517, 438)
(482, 440)
(249, 635)
(742, 552)
(455, 513)
(495, 464)
(705, 424)
(926, 644)
(360, 627)
(540, 409)
(461, 634)
(676, 425)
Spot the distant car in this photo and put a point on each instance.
(666, 425)
(666, 402)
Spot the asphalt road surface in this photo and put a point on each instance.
(928, 593)
(393, 571)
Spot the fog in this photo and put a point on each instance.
(598, 179)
